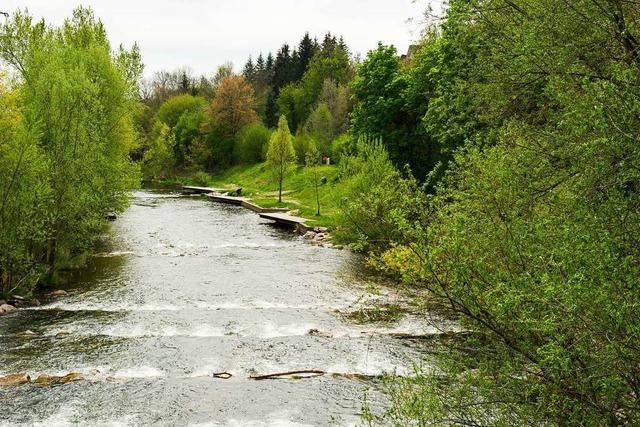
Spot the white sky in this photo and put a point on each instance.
(202, 34)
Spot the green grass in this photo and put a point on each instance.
(258, 184)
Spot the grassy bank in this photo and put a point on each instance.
(259, 185)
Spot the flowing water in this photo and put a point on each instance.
(186, 289)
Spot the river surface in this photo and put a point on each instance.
(187, 288)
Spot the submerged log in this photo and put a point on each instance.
(305, 373)
(222, 375)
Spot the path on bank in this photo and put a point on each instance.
(189, 288)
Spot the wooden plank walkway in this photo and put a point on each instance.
(229, 200)
(198, 190)
(286, 219)
(259, 209)
(279, 215)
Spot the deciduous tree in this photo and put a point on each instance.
(280, 154)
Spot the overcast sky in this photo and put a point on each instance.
(203, 34)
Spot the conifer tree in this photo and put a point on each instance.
(249, 70)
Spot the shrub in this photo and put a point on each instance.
(339, 147)
(302, 143)
(251, 143)
(378, 197)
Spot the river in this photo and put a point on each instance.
(186, 288)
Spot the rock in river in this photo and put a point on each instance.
(69, 378)
(14, 379)
(6, 309)
(58, 294)
(46, 380)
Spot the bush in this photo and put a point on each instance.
(340, 146)
(201, 179)
(251, 144)
(301, 144)
(378, 197)
(536, 259)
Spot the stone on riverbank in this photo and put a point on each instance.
(6, 309)
(14, 379)
(20, 302)
(58, 294)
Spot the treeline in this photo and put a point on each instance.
(525, 115)
(199, 124)
(66, 130)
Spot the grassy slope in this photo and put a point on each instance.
(258, 184)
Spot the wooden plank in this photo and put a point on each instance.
(259, 209)
(198, 190)
(227, 199)
(285, 219)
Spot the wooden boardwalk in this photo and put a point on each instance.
(198, 190)
(279, 215)
(286, 219)
(229, 200)
(259, 209)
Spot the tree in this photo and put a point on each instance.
(78, 98)
(171, 110)
(306, 50)
(298, 99)
(225, 70)
(337, 98)
(233, 106)
(530, 241)
(320, 125)
(24, 195)
(158, 159)
(280, 154)
(312, 159)
(387, 106)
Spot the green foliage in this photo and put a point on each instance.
(321, 126)
(24, 194)
(337, 98)
(388, 108)
(293, 104)
(158, 161)
(280, 154)
(297, 100)
(531, 242)
(251, 144)
(376, 198)
(184, 133)
(77, 104)
(340, 147)
(302, 143)
(173, 108)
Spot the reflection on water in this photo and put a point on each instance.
(185, 288)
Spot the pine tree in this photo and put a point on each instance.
(184, 83)
(249, 71)
(306, 50)
(269, 67)
(282, 68)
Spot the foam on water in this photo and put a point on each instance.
(139, 372)
(88, 306)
